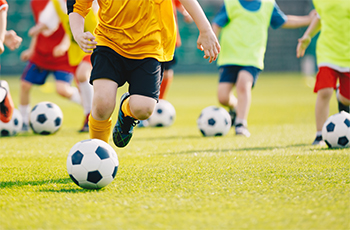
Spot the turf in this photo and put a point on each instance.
(173, 178)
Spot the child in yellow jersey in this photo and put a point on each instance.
(130, 43)
(333, 58)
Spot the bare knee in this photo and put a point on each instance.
(141, 107)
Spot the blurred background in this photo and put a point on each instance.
(280, 54)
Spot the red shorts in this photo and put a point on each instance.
(328, 77)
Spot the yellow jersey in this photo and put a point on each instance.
(135, 29)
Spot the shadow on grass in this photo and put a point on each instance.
(76, 189)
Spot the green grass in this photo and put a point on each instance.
(173, 178)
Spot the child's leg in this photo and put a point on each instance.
(225, 95)
(140, 107)
(66, 90)
(166, 82)
(82, 74)
(103, 104)
(243, 86)
(322, 107)
(343, 94)
(24, 107)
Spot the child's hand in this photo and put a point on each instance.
(12, 40)
(26, 54)
(208, 43)
(303, 43)
(59, 51)
(86, 41)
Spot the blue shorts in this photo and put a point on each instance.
(229, 73)
(144, 76)
(37, 76)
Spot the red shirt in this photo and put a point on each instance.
(44, 46)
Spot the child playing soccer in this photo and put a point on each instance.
(130, 46)
(48, 53)
(243, 28)
(333, 57)
(55, 13)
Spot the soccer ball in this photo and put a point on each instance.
(336, 130)
(12, 127)
(92, 164)
(163, 115)
(214, 121)
(45, 118)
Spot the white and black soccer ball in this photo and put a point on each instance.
(92, 164)
(13, 127)
(163, 115)
(336, 130)
(45, 118)
(214, 121)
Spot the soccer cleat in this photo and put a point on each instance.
(342, 107)
(6, 103)
(25, 127)
(318, 141)
(242, 130)
(233, 114)
(124, 127)
(85, 127)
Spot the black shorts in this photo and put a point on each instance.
(229, 73)
(170, 64)
(143, 76)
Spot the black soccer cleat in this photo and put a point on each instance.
(318, 141)
(233, 115)
(124, 127)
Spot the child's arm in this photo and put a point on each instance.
(62, 48)
(299, 21)
(85, 40)
(26, 54)
(305, 40)
(3, 23)
(216, 29)
(207, 40)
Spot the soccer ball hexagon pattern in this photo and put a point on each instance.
(163, 115)
(336, 130)
(12, 127)
(214, 121)
(92, 164)
(45, 118)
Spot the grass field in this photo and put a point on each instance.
(173, 178)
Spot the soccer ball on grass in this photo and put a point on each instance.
(214, 121)
(12, 127)
(45, 118)
(336, 130)
(92, 164)
(163, 115)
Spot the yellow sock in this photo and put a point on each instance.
(100, 129)
(126, 108)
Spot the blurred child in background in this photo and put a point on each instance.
(243, 28)
(49, 53)
(333, 57)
